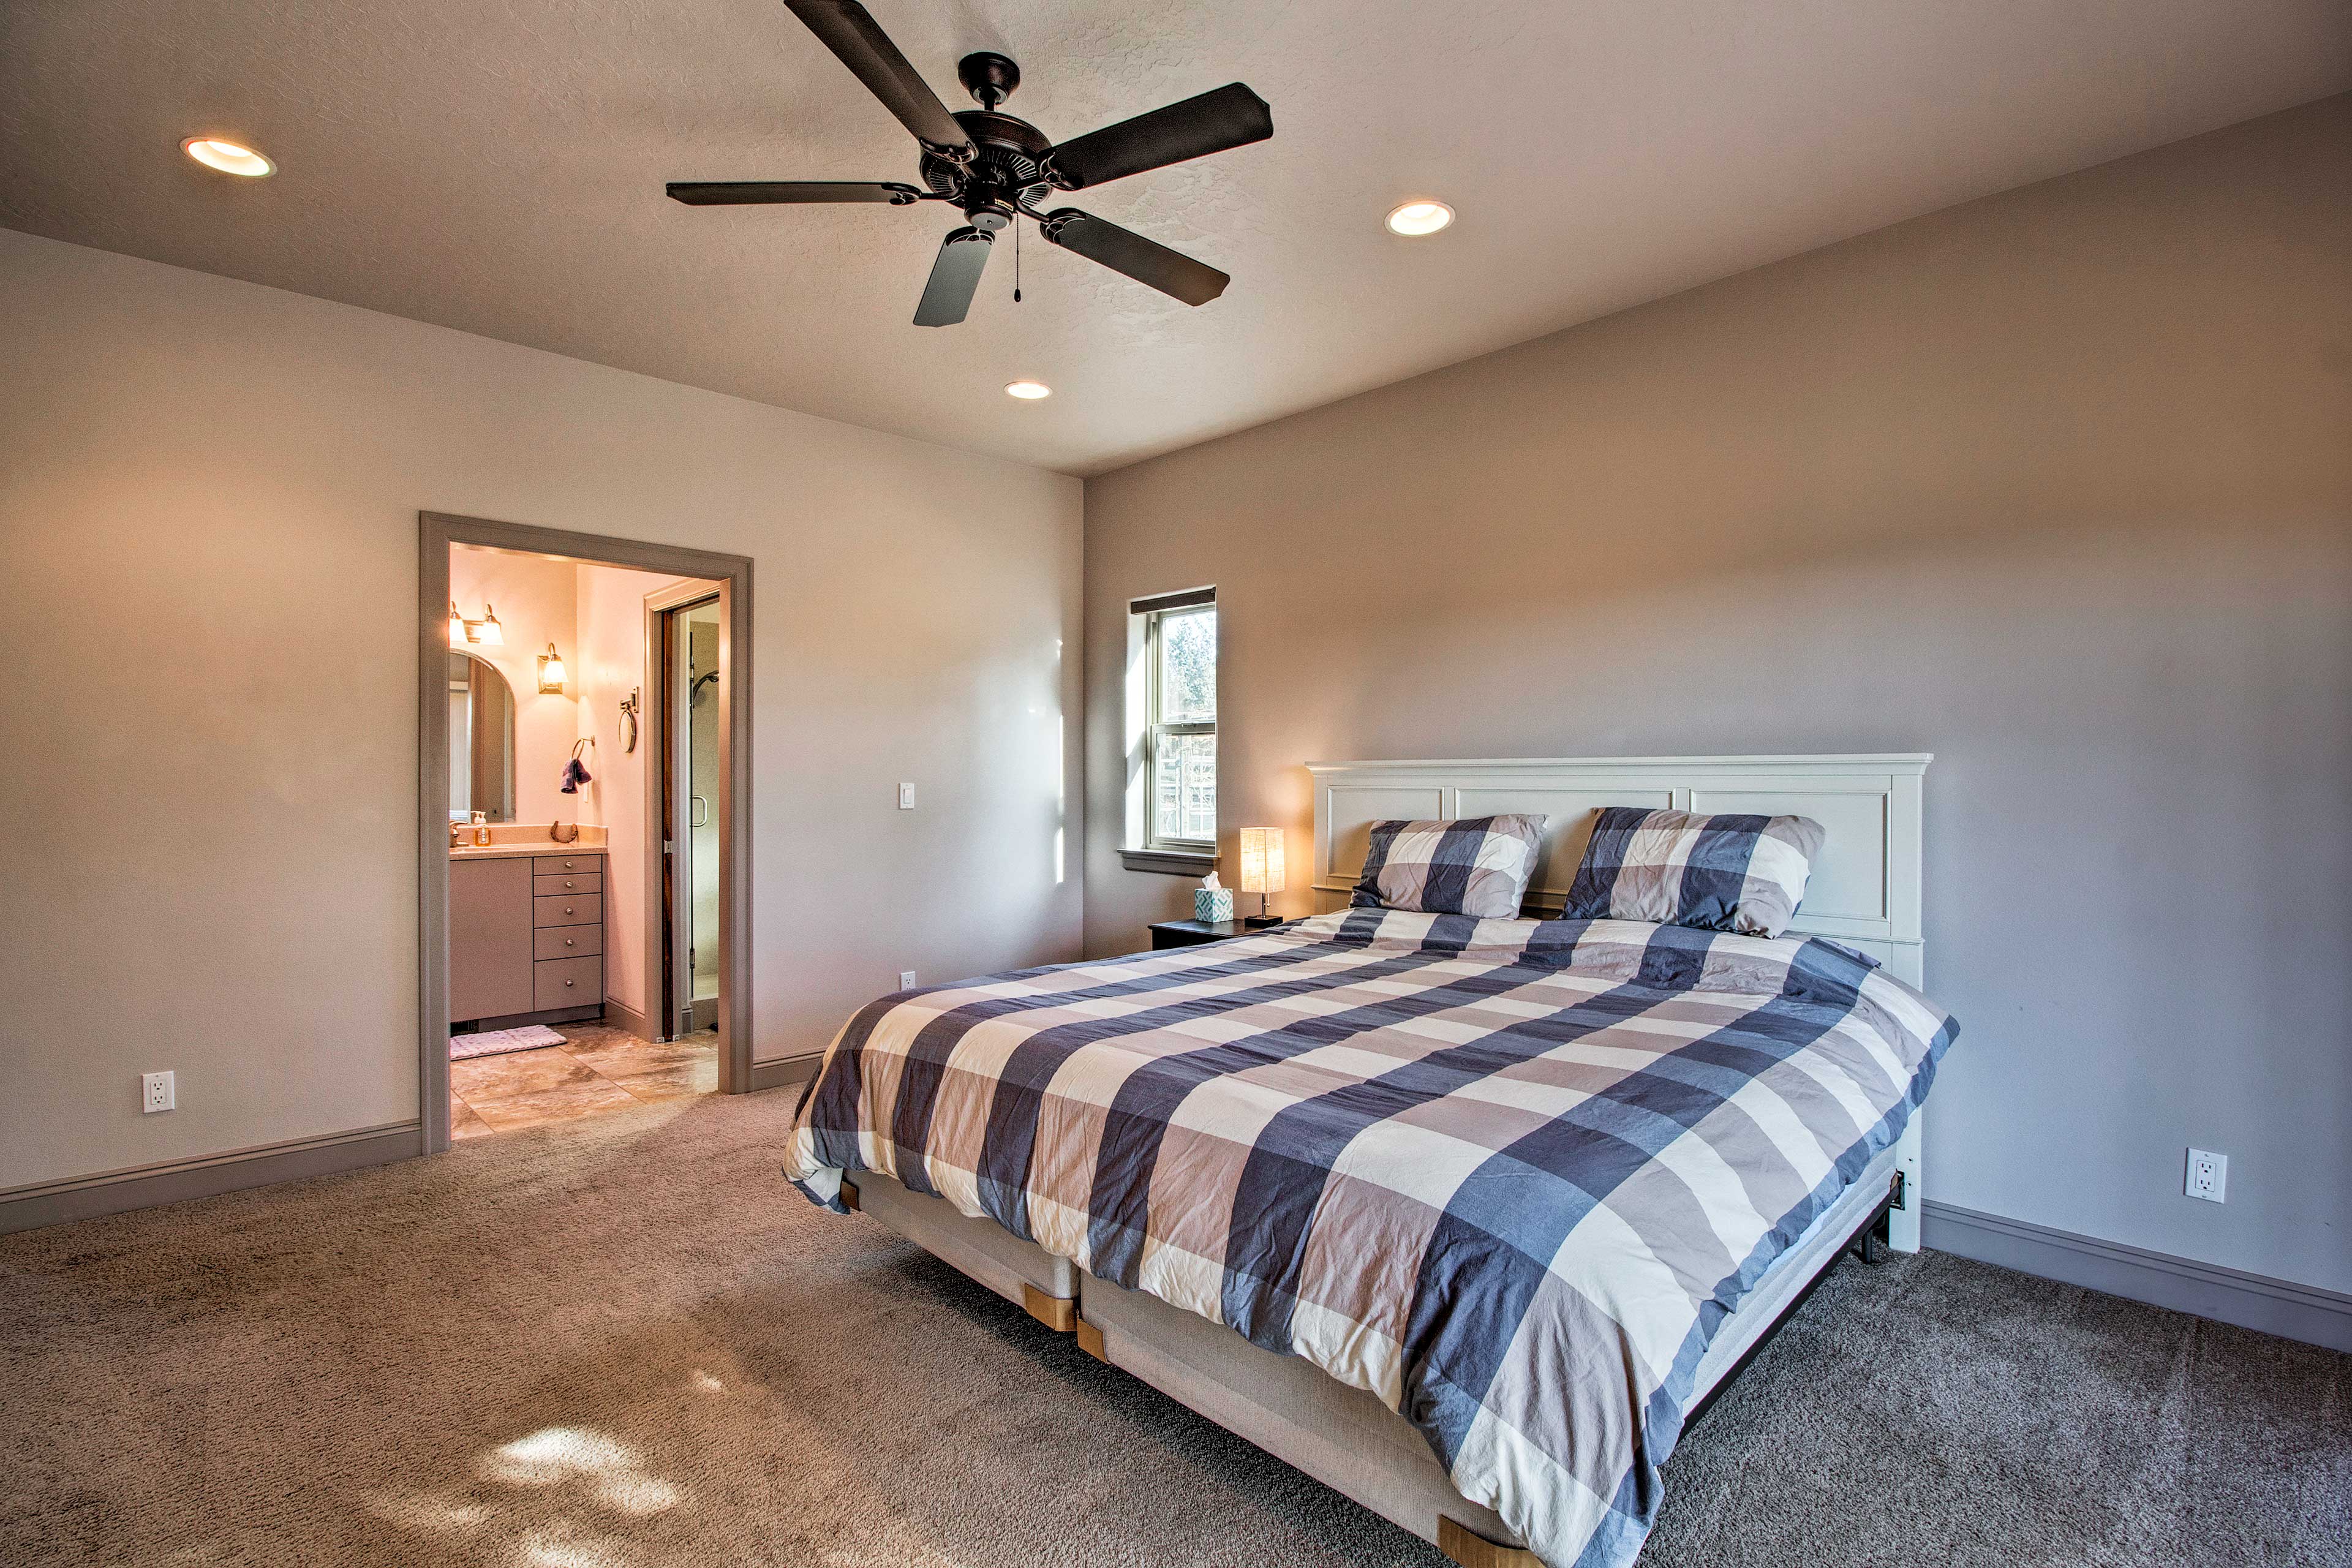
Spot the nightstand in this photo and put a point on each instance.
(1193, 934)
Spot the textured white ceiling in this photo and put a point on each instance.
(496, 165)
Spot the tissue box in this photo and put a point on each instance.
(1212, 905)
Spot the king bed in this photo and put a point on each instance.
(1468, 1217)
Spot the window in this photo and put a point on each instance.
(1180, 728)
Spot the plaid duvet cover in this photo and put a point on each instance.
(1508, 1175)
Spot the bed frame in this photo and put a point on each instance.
(1864, 892)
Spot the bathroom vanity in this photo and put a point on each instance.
(526, 933)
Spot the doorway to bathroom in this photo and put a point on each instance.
(584, 725)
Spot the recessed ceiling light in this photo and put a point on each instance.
(228, 157)
(1418, 218)
(1029, 389)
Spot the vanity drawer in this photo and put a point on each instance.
(555, 886)
(557, 865)
(567, 942)
(569, 910)
(567, 982)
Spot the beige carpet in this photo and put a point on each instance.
(624, 1340)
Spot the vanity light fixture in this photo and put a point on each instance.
(228, 157)
(1028, 390)
(550, 671)
(486, 631)
(1416, 218)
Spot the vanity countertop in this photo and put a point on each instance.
(512, 851)
(516, 847)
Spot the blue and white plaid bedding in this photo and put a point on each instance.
(1508, 1175)
(1723, 872)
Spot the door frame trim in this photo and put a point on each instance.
(436, 533)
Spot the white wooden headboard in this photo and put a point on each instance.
(1865, 890)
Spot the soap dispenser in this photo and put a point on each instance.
(481, 827)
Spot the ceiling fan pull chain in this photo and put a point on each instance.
(1016, 261)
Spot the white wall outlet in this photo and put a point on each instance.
(906, 797)
(157, 1092)
(906, 980)
(2209, 1175)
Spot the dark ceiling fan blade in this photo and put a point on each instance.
(1231, 116)
(843, 26)
(762, 193)
(955, 277)
(1145, 260)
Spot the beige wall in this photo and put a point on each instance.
(535, 601)
(2057, 486)
(208, 499)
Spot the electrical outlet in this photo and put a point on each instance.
(906, 980)
(906, 797)
(157, 1092)
(2209, 1175)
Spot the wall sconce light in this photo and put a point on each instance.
(486, 631)
(550, 671)
(1262, 868)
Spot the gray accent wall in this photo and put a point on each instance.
(2057, 484)
(208, 534)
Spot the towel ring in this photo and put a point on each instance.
(629, 719)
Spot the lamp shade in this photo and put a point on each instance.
(1262, 868)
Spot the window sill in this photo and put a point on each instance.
(1171, 862)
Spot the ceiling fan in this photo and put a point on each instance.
(998, 169)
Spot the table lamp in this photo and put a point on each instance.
(1262, 870)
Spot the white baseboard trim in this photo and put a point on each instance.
(2255, 1301)
(784, 1072)
(143, 1187)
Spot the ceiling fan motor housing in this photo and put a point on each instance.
(1006, 171)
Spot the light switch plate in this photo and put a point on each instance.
(906, 797)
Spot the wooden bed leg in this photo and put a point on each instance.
(1060, 1313)
(1471, 1550)
(1090, 1341)
(848, 1196)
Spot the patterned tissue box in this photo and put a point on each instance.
(1212, 905)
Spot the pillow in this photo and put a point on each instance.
(1472, 866)
(1732, 872)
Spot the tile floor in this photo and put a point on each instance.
(595, 1069)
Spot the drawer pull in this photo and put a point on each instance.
(567, 908)
(568, 884)
(571, 982)
(567, 942)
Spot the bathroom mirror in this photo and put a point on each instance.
(481, 740)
